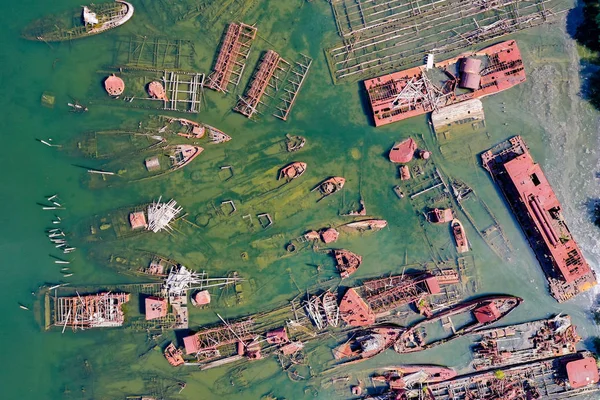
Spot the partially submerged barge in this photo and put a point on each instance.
(539, 213)
(556, 379)
(411, 92)
(530, 341)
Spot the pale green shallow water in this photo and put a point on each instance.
(561, 131)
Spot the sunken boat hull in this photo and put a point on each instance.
(367, 344)
(142, 166)
(83, 22)
(539, 213)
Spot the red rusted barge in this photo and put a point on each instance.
(409, 93)
(540, 214)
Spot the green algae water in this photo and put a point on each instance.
(561, 130)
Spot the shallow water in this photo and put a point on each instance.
(111, 364)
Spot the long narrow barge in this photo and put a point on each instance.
(556, 379)
(473, 75)
(539, 213)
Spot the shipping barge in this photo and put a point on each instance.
(560, 378)
(530, 341)
(539, 213)
(409, 93)
(85, 21)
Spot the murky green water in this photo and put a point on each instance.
(114, 363)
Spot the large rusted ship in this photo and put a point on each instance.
(376, 298)
(473, 316)
(530, 341)
(411, 92)
(560, 378)
(539, 212)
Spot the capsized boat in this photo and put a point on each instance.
(403, 152)
(82, 22)
(483, 311)
(367, 224)
(460, 236)
(367, 344)
(292, 171)
(346, 262)
(330, 185)
(407, 376)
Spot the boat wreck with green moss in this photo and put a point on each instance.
(130, 221)
(85, 21)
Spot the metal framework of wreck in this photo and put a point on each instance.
(388, 293)
(231, 61)
(292, 87)
(383, 35)
(213, 338)
(160, 215)
(265, 76)
(90, 311)
(153, 52)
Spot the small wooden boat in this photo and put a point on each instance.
(460, 236)
(82, 22)
(330, 308)
(346, 262)
(367, 224)
(330, 185)
(174, 355)
(292, 171)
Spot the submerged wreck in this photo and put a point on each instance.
(86, 21)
